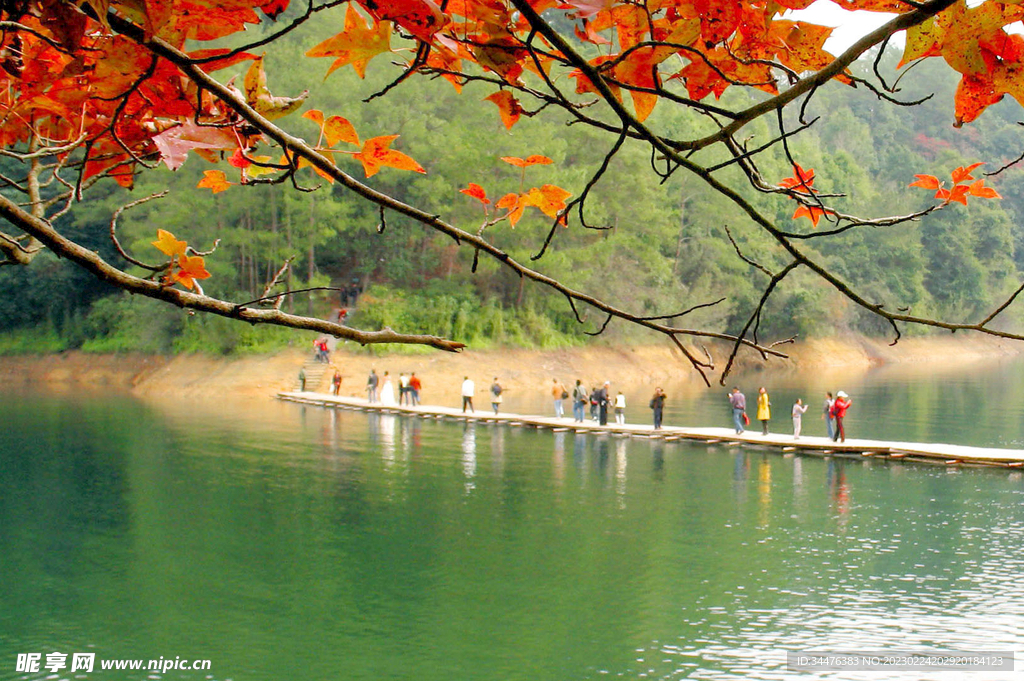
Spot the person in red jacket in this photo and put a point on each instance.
(838, 412)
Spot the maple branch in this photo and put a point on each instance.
(579, 202)
(422, 52)
(92, 262)
(310, 11)
(15, 26)
(838, 65)
(672, 154)
(117, 243)
(742, 257)
(889, 98)
(747, 154)
(276, 280)
(1008, 165)
(755, 317)
(299, 147)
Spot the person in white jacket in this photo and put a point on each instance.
(798, 411)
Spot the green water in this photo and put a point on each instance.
(283, 542)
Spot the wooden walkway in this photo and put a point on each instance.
(942, 454)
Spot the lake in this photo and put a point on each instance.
(288, 542)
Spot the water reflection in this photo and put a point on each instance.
(658, 460)
(498, 451)
(469, 455)
(764, 490)
(134, 529)
(558, 458)
(839, 490)
(621, 462)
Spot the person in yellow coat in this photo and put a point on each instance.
(764, 409)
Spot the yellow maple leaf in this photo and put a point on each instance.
(356, 45)
(167, 244)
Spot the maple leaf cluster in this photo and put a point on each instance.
(801, 188)
(960, 190)
(548, 198)
(182, 268)
(974, 41)
(70, 77)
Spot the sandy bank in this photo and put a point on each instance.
(262, 376)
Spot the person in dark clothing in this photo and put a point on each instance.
(738, 402)
(371, 386)
(602, 404)
(593, 403)
(336, 381)
(658, 405)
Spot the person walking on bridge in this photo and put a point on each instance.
(738, 401)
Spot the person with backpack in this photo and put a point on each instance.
(559, 393)
(579, 399)
(496, 391)
(658, 405)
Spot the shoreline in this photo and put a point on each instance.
(262, 376)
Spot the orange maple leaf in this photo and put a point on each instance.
(168, 245)
(338, 129)
(812, 212)
(925, 182)
(376, 154)
(508, 106)
(534, 160)
(981, 191)
(422, 18)
(958, 194)
(550, 199)
(214, 180)
(190, 268)
(477, 192)
(514, 205)
(802, 179)
(962, 173)
(356, 45)
(335, 129)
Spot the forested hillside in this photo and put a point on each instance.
(666, 250)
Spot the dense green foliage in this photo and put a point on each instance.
(667, 250)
